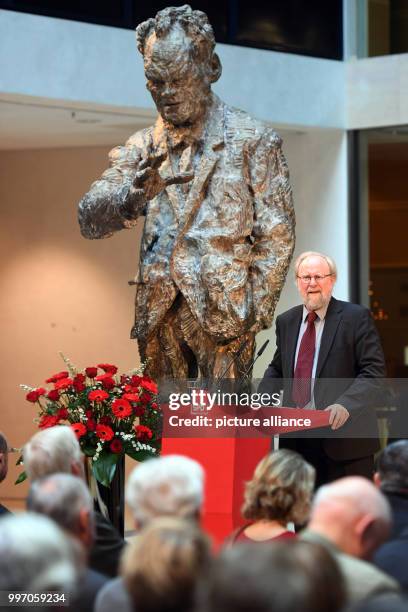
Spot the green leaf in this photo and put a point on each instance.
(141, 455)
(89, 451)
(22, 477)
(104, 467)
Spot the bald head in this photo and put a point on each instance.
(353, 514)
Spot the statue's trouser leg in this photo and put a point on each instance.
(180, 344)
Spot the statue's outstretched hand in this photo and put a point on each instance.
(149, 180)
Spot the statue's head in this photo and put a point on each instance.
(180, 63)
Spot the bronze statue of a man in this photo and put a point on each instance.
(219, 224)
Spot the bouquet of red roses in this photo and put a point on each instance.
(111, 415)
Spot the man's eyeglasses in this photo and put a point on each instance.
(317, 278)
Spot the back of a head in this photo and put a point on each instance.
(171, 485)
(35, 555)
(51, 450)
(3, 457)
(161, 567)
(352, 513)
(274, 577)
(281, 489)
(61, 497)
(392, 466)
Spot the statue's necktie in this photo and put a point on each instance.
(303, 371)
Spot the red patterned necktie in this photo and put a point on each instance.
(304, 364)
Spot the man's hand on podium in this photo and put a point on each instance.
(338, 415)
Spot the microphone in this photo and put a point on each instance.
(259, 353)
(233, 360)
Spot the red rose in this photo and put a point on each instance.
(108, 368)
(78, 386)
(62, 413)
(104, 432)
(136, 380)
(53, 395)
(79, 378)
(131, 397)
(91, 372)
(48, 420)
(91, 425)
(98, 395)
(108, 383)
(79, 429)
(33, 396)
(105, 420)
(56, 377)
(145, 398)
(131, 389)
(154, 405)
(89, 413)
(139, 411)
(143, 432)
(148, 384)
(121, 408)
(64, 383)
(116, 446)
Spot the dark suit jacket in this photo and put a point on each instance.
(392, 557)
(107, 549)
(349, 365)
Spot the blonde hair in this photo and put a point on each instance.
(161, 566)
(330, 262)
(281, 488)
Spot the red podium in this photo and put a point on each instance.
(229, 462)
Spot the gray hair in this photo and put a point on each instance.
(61, 497)
(330, 262)
(35, 555)
(194, 23)
(51, 450)
(167, 486)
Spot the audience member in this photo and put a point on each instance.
(392, 478)
(279, 492)
(36, 556)
(56, 449)
(171, 485)
(287, 576)
(389, 602)
(352, 519)
(66, 499)
(161, 567)
(3, 468)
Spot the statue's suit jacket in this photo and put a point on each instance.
(349, 370)
(225, 242)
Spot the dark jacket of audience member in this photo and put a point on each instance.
(392, 478)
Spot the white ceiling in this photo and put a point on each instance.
(33, 125)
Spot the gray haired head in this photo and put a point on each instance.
(392, 466)
(51, 450)
(35, 555)
(63, 498)
(194, 23)
(167, 486)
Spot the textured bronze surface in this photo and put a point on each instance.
(219, 223)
